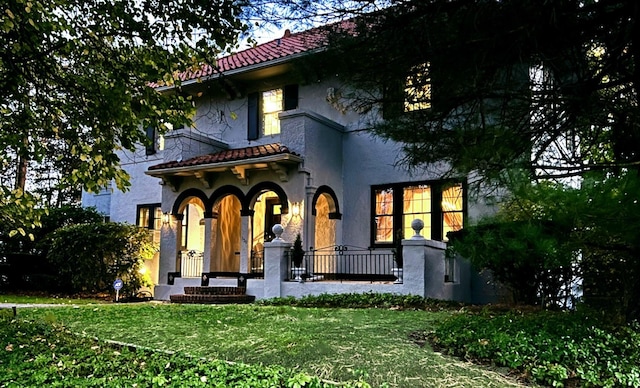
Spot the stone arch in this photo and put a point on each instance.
(267, 186)
(191, 193)
(332, 200)
(223, 191)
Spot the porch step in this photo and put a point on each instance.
(213, 295)
(219, 290)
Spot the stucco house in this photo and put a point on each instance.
(268, 147)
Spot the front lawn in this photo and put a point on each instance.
(42, 298)
(334, 344)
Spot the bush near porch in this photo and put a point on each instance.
(89, 257)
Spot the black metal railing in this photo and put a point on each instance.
(344, 263)
(256, 264)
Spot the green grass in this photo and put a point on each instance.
(334, 344)
(39, 299)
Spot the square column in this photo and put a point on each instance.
(276, 265)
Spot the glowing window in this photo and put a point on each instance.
(383, 216)
(150, 217)
(417, 92)
(272, 104)
(439, 204)
(416, 204)
(452, 210)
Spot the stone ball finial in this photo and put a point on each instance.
(417, 225)
(277, 230)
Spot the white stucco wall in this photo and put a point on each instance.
(337, 150)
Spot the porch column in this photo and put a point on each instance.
(309, 219)
(168, 250)
(206, 258)
(177, 260)
(275, 264)
(245, 237)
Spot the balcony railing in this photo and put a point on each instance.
(191, 263)
(344, 263)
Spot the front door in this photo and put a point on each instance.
(272, 216)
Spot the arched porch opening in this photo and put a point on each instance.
(326, 212)
(268, 204)
(325, 227)
(226, 234)
(191, 236)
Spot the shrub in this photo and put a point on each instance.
(90, 257)
(551, 348)
(366, 300)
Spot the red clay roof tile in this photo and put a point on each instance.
(289, 44)
(231, 155)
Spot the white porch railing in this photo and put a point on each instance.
(191, 263)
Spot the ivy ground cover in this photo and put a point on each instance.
(333, 344)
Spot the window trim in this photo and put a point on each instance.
(436, 208)
(152, 208)
(414, 94)
(155, 141)
(290, 100)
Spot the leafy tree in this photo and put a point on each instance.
(74, 84)
(89, 257)
(36, 240)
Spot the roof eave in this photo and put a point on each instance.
(223, 165)
(241, 70)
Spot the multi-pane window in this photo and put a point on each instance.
(156, 141)
(440, 205)
(417, 92)
(149, 216)
(452, 209)
(383, 216)
(264, 108)
(416, 203)
(272, 104)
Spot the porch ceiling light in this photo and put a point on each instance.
(295, 208)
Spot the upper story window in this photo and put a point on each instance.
(272, 104)
(156, 141)
(264, 108)
(440, 205)
(410, 93)
(417, 92)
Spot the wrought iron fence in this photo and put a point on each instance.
(191, 263)
(344, 262)
(257, 263)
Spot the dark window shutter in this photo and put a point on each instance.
(290, 97)
(150, 148)
(393, 100)
(253, 117)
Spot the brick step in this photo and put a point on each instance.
(211, 299)
(215, 290)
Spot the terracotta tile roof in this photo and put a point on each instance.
(231, 155)
(288, 45)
